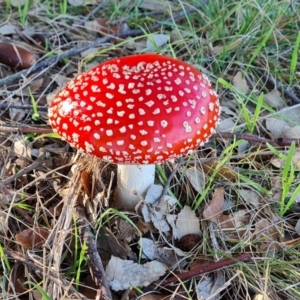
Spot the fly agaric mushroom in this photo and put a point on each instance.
(136, 111)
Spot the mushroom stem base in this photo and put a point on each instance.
(133, 183)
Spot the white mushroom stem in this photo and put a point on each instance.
(133, 183)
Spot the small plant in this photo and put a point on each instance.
(288, 176)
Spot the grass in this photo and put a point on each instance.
(221, 38)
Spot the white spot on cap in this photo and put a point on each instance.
(97, 136)
(148, 92)
(204, 94)
(150, 123)
(197, 120)
(143, 132)
(188, 113)
(109, 121)
(169, 145)
(123, 129)
(131, 85)
(119, 103)
(177, 81)
(120, 142)
(149, 103)
(202, 110)
(105, 81)
(87, 128)
(75, 137)
(211, 106)
(132, 116)
(156, 111)
(111, 86)
(102, 149)
(156, 140)
(144, 143)
(141, 111)
(121, 89)
(164, 123)
(100, 103)
(109, 95)
(65, 126)
(88, 147)
(109, 132)
(132, 136)
(121, 113)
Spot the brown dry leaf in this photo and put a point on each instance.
(214, 208)
(223, 172)
(233, 225)
(279, 163)
(15, 56)
(31, 238)
(153, 297)
(240, 83)
(267, 234)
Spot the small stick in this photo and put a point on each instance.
(28, 169)
(25, 129)
(214, 266)
(94, 259)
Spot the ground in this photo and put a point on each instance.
(227, 226)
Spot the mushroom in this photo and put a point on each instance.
(136, 111)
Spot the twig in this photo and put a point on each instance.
(206, 269)
(75, 51)
(28, 169)
(40, 272)
(94, 259)
(25, 106)
(279, 86)
(25, 129)
(256, 139)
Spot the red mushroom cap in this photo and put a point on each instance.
(140, 109)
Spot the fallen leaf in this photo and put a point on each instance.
(250, 196)
(196, 178)
(223, 172)
(184, 223)
(274, 99)
(156, 40)
(123, 274)
(7, 29)
(234, 225)
(226, 125)
(32, 237)
(267, 234)
(15, 56)
(209, 287)
(3, 223)
(214, 208)
(156, 5)
(152, 251)
(156, 212)
(240, 83)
